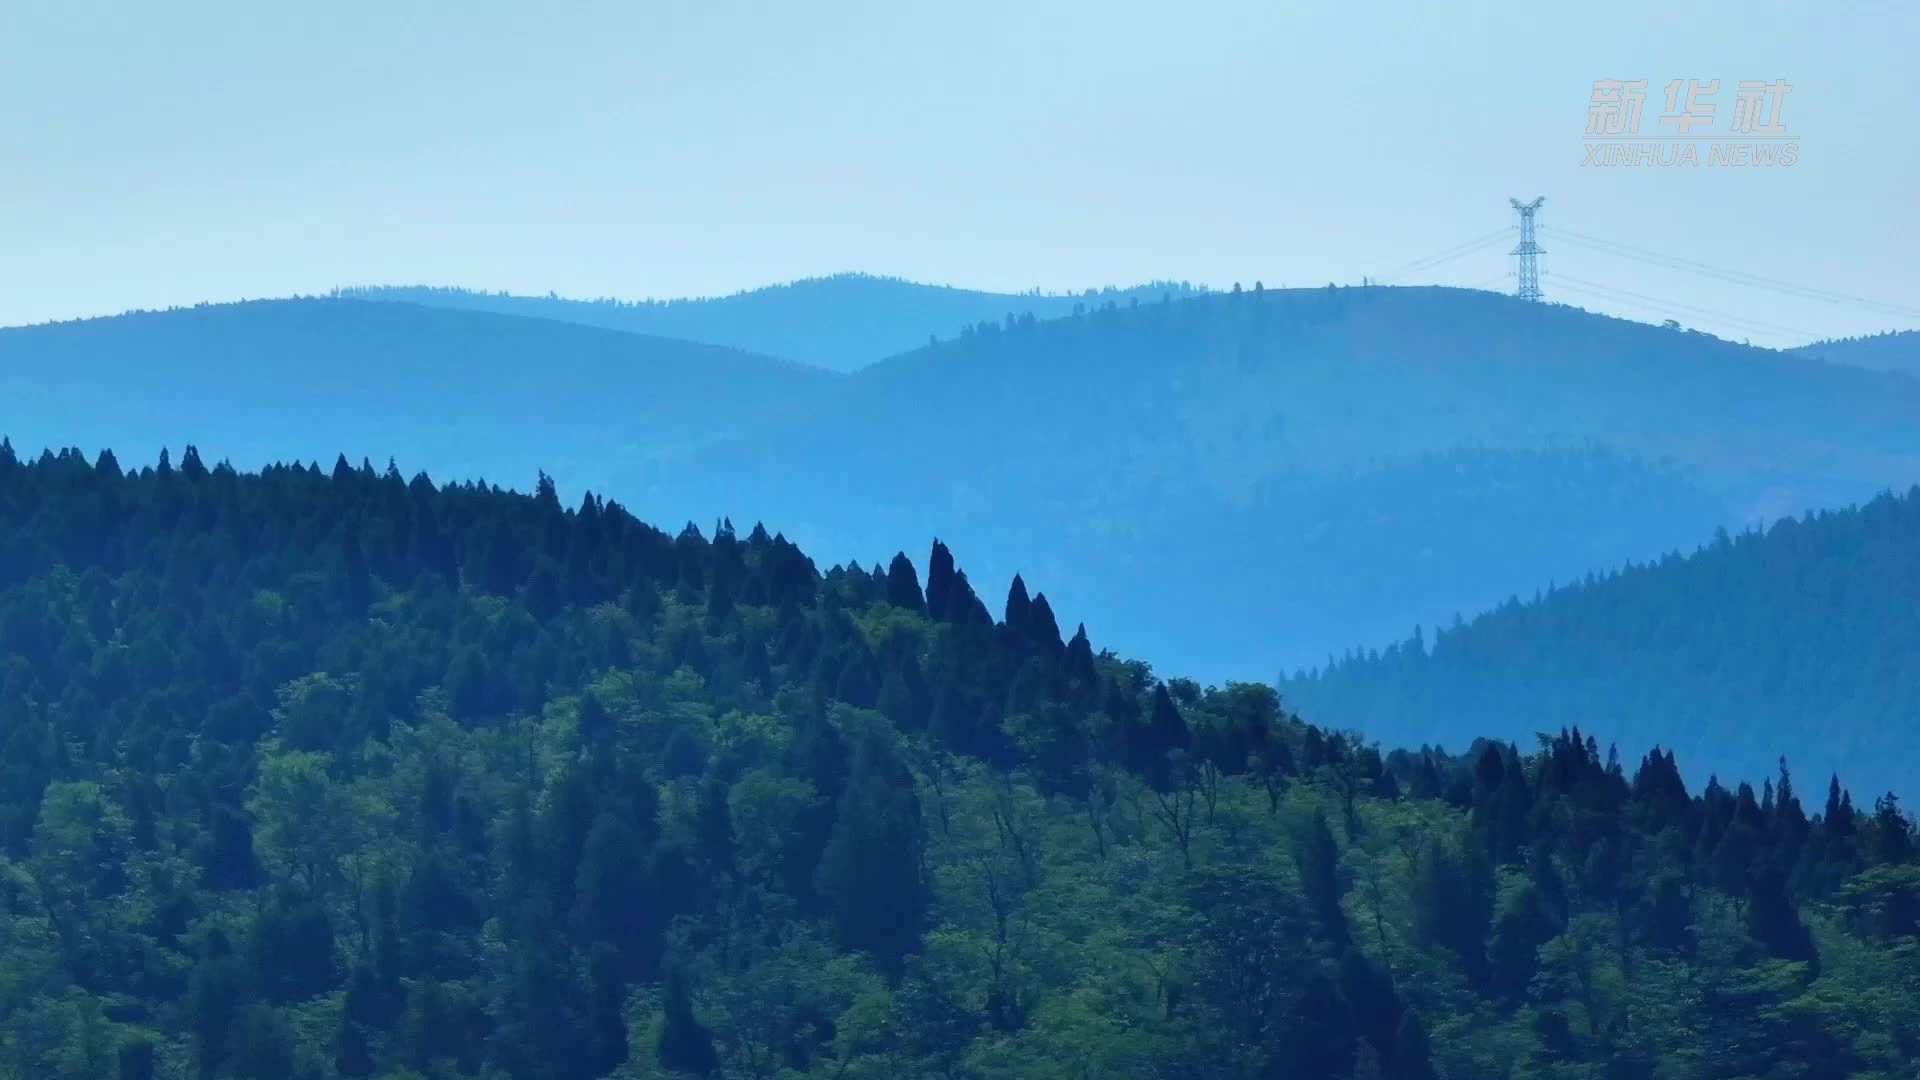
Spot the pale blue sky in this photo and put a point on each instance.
(156, 154)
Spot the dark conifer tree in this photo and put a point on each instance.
(606, 1020)
(940, 581)
(1043, 630)
(214, 999)
(611, 894)
(965, 607)
(1412, 1057)
(1080, 670)
(903, 586)
(869, 872)
(1165, 733)
(1892, 831)
(1019, 609)
(1319, 861)
(685, 1044)
(1376, 1006)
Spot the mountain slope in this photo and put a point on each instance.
(463, 394)
(311, 775)
(1234, 483)
(1803, 640)
(1893, 351)
(1252, 447)
(842, 323)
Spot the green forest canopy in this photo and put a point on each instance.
(322, 774)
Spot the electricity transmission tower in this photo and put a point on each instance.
(1528, 272)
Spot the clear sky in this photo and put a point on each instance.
(159, 154)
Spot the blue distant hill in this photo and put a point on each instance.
(467, 395)
(1237, 482)
(1802, 640)
(1896, 350)
(842, 322)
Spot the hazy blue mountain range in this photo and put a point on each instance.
(1236, 481)
(1231, 483)
(1892, 351)
(468, 394)
(843, 322)
(1803, 638)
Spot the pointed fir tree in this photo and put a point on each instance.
(1043, 631)
(965, 608)
(1019, 609)
(940, 574)
(1080, 669)
(903, 585)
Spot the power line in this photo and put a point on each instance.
(1663, 305)
(1738, 277)
(1527, 277)
(1662, 301)
(1605, 304)
(1667, 310)
(1438, 258)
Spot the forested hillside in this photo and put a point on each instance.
(470, 394)
(1893, 351)
(314, 774)
(1243, 481)
(842, 323)
(1804, 638)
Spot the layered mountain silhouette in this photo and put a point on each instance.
(1236, 481)
(1232, 483)
(1803, 638)
(843, 322)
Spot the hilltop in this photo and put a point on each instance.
(466, 394)
(842, 322)
(1802, 639)
(1892, 351)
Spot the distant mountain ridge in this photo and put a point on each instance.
(1234, 483)
(842, 322)
(466, 394)
(1895, 350)
(1802, 639)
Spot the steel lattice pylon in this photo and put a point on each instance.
(1528, 271)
